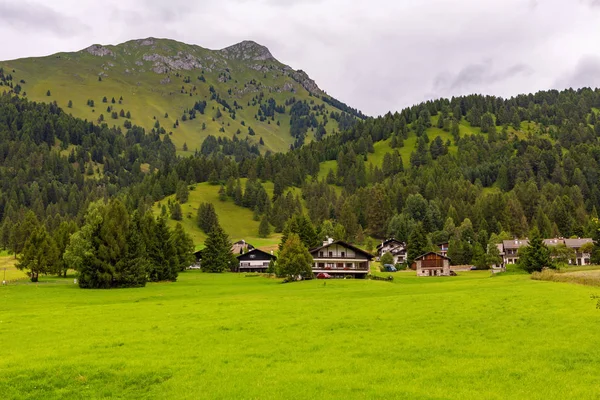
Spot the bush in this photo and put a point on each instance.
(401, 266)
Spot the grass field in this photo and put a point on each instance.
(8, 271)
(231, 336)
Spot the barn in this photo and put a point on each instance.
(432, 264)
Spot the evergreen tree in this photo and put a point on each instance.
(164, 264)
(207, 217)
(536, 256)
(264, 229)
(217, 256)
(184, 247)
(417, 244)
(294, 259)
(183, 193)
(132, 269)
(39, 255)
(222, 194)
(176, 213)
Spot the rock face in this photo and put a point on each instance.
(302, 78)
(250, 54)
(182, 61)
(99, 51)
(247, 50)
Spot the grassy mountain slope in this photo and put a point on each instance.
(236, 221)
(160, 79)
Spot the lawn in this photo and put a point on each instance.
(231, 336)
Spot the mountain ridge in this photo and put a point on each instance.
(241, 90)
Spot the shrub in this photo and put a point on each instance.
(582, 278)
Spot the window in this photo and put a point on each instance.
(343, 254)
(320, 254)
(331, 254)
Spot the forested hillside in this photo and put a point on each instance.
(469, 170)
(185, 91)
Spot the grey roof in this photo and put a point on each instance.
(515, 243)
(577, 243)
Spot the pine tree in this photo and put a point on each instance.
(39, 255)
(222, 194)
(132, 269)
(264, 229)
(417, 243)
(217, 256)
(183, 193)
(176, 213)
(294, 259)
(164, 258)
(207, 217)
(184, 247)
(536, 256)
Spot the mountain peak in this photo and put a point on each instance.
(247, 50)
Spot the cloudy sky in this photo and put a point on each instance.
(377, 55)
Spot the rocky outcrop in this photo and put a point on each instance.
(303, 79)
(99, 51)
(247, 50)
(181, 61)
(146, 42)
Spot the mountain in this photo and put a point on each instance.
(186, 91)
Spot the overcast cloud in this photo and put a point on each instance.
(377, 55)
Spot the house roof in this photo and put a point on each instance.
(347, 245)
(257, 251)
(577, 243)
(554, 241)
(387, 241)
(242, 243)
(432, 252)
(515, 243)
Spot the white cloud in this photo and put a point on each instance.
(377, 55)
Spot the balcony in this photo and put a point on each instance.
(363, 266)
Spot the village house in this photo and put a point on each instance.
(254, 261)
(338, 259)
(576, 244)
(241, 247)
(395, 247)
(443, 248)
(509, 249)
(432, 264)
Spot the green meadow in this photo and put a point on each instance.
(231, 336)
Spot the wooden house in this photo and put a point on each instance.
(338, 259)
(254, 261)
(432, 264)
